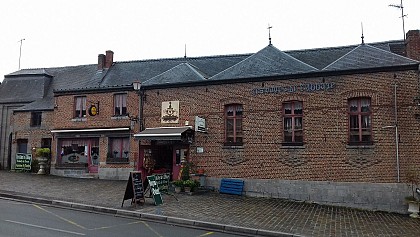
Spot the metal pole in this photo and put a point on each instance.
(20, 50)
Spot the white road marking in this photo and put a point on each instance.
(44, 227)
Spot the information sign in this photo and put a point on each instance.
(23, 161)
(162, 181)
(134, 189)
(154, 190)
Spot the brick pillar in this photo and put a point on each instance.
(413, 44)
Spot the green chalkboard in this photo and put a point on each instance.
(162, 181)
(23, 162)
(154, 190)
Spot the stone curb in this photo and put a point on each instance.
(149, 217)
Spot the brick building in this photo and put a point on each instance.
(322, 125)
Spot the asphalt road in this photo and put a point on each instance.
(31, 220)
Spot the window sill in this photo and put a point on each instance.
(79, 120)
(290, 146)
(117, 161)
(360, 146)
(122, 117)
(233, 146)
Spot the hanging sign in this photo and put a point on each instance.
(93, 110)
(200, 124)
(154, 190)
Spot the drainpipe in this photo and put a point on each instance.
(397, 155)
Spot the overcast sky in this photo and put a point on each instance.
(73, 32)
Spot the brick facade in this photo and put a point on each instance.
(105, 119)
(33, 134)
(325, 155)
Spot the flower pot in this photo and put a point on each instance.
(413, 208)
(42, 163)
(187, 189)
(177, 189)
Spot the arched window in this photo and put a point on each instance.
(360, 121)
(293, 123)
(233, 124)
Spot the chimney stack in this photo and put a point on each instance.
(413, 44)
(109, 58)
(101, 61)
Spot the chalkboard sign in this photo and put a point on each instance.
(154, 189)
(162, 181)
(134, 189)
(23, 161)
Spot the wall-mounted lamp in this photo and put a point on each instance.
(136, 85)
(417, 103)
(417, 100)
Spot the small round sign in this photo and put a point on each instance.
(93, 110)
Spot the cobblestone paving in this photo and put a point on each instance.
(261, 213)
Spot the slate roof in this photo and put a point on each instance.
(181, 73)
(23, 89)
(44, 104)
(38, 85)
(267, 62)
(124, 73)
(365, 56)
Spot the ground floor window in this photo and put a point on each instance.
(22, 145)
(79, 151)
(119, 149)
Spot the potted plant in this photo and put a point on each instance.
(190, 185)
(178, 184)
(413, 180)
(42, 155)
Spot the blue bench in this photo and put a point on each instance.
(231, 186)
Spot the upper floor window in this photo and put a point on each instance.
(360, 118)
(120, 104)
(36, 118)
(293, 122)
(233, 124)
(80, 107)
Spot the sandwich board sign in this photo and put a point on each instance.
(154, 190)
(134, 189)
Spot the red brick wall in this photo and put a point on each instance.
(64, 119)
(326, 155)
(22, 130)
(413, 44)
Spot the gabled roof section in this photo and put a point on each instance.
(269, 61)
(23, 89)
(365, 56)
(181, 73)
(29, 72)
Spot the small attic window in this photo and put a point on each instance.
(36, 118)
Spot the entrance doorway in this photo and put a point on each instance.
(162, 159)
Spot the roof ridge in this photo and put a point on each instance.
(185, 59)
(343, 46)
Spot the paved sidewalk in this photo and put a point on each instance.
(275, 216)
